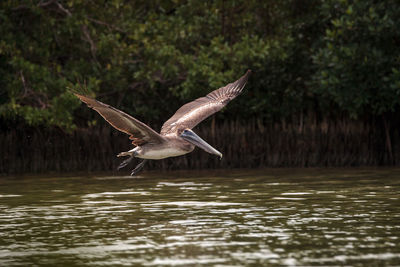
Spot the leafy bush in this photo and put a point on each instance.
(358, 64)
(149, 57)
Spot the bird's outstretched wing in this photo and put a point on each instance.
(139, 132)
(192, 113)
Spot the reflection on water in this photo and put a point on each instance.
(230, 218)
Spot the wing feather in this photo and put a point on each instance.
(192, 113)
(139, 132)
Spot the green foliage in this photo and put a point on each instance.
(358, 64)
(150, 57)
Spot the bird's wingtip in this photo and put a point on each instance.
(77, 94)
(80, 96)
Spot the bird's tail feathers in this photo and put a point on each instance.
(126, 153)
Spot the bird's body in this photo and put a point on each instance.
(172, 147)
(176, 137)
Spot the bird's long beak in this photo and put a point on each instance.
(194, 139)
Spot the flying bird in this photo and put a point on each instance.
(176, 137)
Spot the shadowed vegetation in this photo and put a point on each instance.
(324, 90)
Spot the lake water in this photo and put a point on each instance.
(222, 218)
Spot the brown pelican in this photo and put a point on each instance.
(176, 137)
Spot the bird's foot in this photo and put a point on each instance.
(138, 168)
(124, 163)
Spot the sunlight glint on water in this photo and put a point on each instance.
(283, 217)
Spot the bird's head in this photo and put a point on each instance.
(196, 140)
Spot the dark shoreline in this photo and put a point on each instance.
(343, 143)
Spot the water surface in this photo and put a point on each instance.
(225, 218)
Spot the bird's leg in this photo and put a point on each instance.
(138, 168)
(124, 163)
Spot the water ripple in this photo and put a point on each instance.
(257, 220)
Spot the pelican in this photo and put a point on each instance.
(176, 137)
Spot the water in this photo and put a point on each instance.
(227, 218)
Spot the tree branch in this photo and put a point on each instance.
(60, 7)
(109, 26)
(93, 48)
